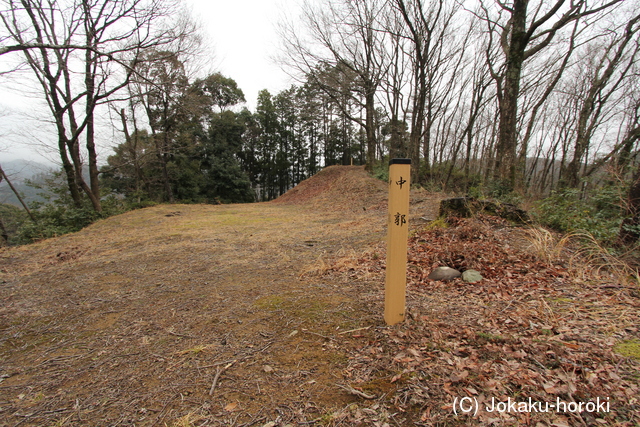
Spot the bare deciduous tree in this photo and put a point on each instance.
(101, 41)
(524, 30)
(436, 54)
(346, 35)
(603, 73)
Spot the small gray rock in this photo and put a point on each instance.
(471, 276)
(444, 273)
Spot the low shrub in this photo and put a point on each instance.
(568, 211)
(61, 217)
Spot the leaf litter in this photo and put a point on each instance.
(528, 334)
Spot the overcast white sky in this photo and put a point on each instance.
(243, 34)
(243, 37)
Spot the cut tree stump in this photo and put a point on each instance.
(466, 207)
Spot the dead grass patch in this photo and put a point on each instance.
(586, 258)
(129, 321)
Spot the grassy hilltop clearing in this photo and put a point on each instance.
(270, 314)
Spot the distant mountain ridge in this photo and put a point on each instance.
(19, 172)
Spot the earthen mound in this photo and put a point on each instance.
(349, 187)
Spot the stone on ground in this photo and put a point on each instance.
(444, 273)
(471, 276)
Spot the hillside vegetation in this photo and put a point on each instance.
(270, 314)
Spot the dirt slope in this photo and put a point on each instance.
(336, 187)
(184, 313)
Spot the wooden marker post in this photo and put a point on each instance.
(397, 235)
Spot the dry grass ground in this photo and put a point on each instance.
(129, 321)
(263, 314)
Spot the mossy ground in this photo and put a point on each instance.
(628, 348)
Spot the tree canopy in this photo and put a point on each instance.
(520, 95)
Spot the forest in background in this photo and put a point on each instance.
(513, 100)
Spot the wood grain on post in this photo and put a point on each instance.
(397, 235)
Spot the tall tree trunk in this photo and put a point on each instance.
(370, 120)
(417, 118)
(630, 227)
(627, 144)
(426, 144)
(132, 144)
(572, 172)
(163, 157)
(506, 148)
(74, 151)
(69, 172)
(419, 29)
(94, 188)
(89, 80)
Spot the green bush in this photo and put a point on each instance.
(132, 205)
(496, 190)
(12, 217)
(60, 217)
(444, 177)
(599, 213)
(54, 221)
(503, 192)
(381, 170)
